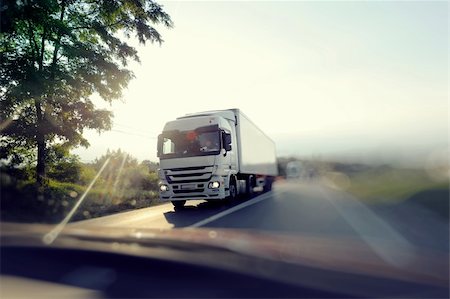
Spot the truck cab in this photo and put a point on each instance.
(197, 158)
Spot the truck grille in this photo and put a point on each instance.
(188, 175)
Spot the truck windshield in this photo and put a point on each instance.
(189, 143)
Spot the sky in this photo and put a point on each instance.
(366, 80)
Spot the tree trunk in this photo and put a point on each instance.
(41, 153)
(40, 168)
(40, 133)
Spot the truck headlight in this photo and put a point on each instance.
(214, 185)
(163, 188)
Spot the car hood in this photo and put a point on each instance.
(339, 254)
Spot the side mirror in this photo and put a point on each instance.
(159, 147)
(226, 141)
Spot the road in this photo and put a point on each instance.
(308, 208)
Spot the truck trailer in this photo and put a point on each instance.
(214, 155)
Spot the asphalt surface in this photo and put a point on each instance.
(299, 207)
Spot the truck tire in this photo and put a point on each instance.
(268, 184)
(233, 190)
(250, 184)
(178, 204)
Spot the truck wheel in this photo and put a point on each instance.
(178, 204)
(268, 184)
(250, 184)
(233, 190)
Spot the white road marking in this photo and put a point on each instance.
(233, 209)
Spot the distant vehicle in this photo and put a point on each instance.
(294, 170)
(214, 155)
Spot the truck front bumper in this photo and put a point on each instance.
(192, 191)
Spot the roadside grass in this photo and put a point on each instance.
(19, 201)
(401, 186)
(392, 185)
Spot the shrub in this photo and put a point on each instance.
(87, 174)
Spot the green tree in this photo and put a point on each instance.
(150, 165)
(54, 55)
(63, 166)
(124, 172)
(117, 159)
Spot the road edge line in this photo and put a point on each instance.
(232, 209)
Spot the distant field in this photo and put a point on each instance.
(400, 185)
(392, 184)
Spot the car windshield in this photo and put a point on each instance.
(312, 133)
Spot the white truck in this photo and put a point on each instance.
(214, 155)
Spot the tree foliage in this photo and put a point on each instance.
(124, 172)
(55, 54)
(63, 166)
